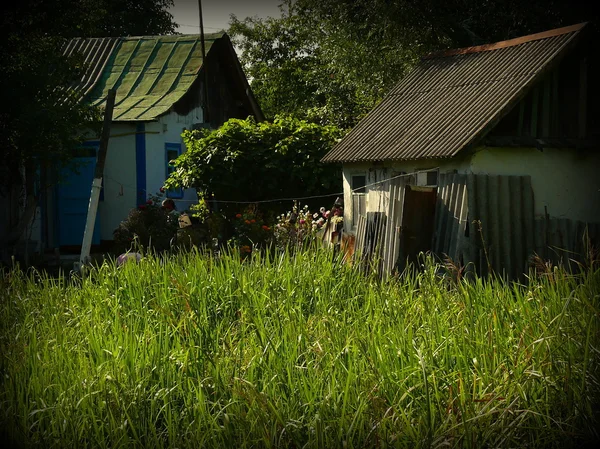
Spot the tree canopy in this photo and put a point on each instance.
(39, 124)
(333, 60)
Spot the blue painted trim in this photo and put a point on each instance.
(140, 163)
(96, 145)
(176, 193)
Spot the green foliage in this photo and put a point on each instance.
(250, 231)
(89, 18)
(298, 65)
(41, 120)
(248, 161)
(296, 350)
(38, 119)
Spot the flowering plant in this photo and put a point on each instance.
(299, 226)
(249, 230)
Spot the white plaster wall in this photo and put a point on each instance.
(119, 179)
(168, 129)
(565, 181)
(378, 194)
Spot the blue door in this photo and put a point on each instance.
(74, 191)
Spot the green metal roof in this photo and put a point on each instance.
(150, 74)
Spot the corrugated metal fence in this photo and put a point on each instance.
(482, 222)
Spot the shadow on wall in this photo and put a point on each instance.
(479, 223)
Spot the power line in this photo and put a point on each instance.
(276, 200)
(327, 195)
(402, 175)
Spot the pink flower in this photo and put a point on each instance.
(142, 207)
(162, 190)
(149, 202)
(302, 221)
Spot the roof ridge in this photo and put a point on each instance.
(217, 35)
(507, 43)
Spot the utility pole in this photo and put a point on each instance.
(97, 182)
(206, 115)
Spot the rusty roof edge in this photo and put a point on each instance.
(506, 43)
(507, 106)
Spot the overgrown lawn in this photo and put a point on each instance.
(296, 351)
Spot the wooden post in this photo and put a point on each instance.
(97, 182)
(205, 113)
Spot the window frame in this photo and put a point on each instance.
(361, 196)
(423, 173)
(171, 146)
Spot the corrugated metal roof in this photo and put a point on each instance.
(449, 100)
(96, 53)
(150, 74)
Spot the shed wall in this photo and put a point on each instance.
(119, 179)
(565, 182)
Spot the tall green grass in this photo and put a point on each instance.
(296, 351)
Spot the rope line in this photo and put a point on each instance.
(278, 199)
(326, 195)
(402, 175)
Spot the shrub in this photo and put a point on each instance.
(148, 225)
(250, 230)
(244, 160)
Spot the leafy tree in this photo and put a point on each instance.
(248, 161)
(333, 60)
(39, 122)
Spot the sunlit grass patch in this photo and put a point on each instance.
(296, 350)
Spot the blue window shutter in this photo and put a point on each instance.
(172, 151)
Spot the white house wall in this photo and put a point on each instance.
(565, 182)
(119, 179)
(169, 128)
(378, 192)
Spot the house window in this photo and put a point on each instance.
(359, 196)
(427, 178)
(172, 152)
